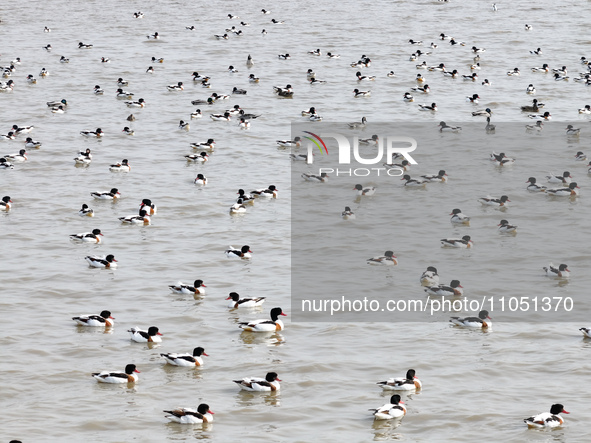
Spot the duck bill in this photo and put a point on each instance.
(137, 371)
(210, 411)
(207, 355)
(565, 412)
(158, 333)
(283, 314)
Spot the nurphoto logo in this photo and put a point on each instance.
(393, 147)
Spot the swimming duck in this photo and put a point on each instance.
(157, 60)
(586, 332)
(295, 143)
(84, 158)
(393, 410)
(238, 207)
(196, 289)
(256, 384)
(373, 141)
(265, 325)
(20, 157)
(121, 167)
(316, 52)
(515, 72)
(490, 201)
(454, 43)
(570, 191)
(366, 78)
(413, 183)
(536, 51)
(253, 79)
(245, 124)
(359, 93)
(270, 192)
(22, 129)
(150, 70)
(190, 28)
(368, 191)
(98, 90)
(58, 110)
(105, 60)
(530, 90)
(501, 159)
(331, 55)
(217, 96)
(237, 302)
(480, 322)
(561, 271)
(62, 102)
(477, 50)
(453, 289)
(451, 74)
(473, 99)
(505, 227)
(48, 48)
(432, 107)
(148, 206)
(387, 259)
(537, 127)
(283, 92)
(323, 177)
(534, 107)
(314, 81)
(242, 253)
(30, 143)
(464, 242)
(283, 56)
(30, 79)
(244, 115)
(528, 27)
(154, 36)
(570, 130)
(443, 36)
(187, 359)
(141, 103)
(64, 60)
(5, 164)
(559, 77)
(142, 218)
(104, 319)
(107, 262)
(111, 195)
(150, 336)
(83, 46)
(9, 136)
(221, 117)
(138, 14)
(5, 203)
(92, 237)
(472, 77)
(410, 382)
(533, 187)
(86, 211)
(347, 214)
(419, 78)
(391, 74)
(177, 87)
(183, 126)
(585, 110)
(550, 419)
(423, 89)
(358, 125)
(277, 22)
(475, 66)
(430, 277)
(458, 217)
(544, 68)
(118, 377)
(443, 127)
(196, 114)
(579, 156)
(407, 97)
(565, 178)
(199, 158)
(128, 131)
(209, 145)
(482, 113)
(562, 71)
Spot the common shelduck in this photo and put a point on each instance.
(393, 410)
(86, 211)
(150, 336)
(191, 416)
(480, 322)
(368, 191)
(142, 218)
(257, 384)
(550, 419)
(92, 237)
(464, 242)
(107, 262)
(242, 253)
(347, 214)
(265, 325)
(121, 167)
(237, 302)
(387, 259)
(408, 383)
(453, 289)
(196, 289)
(561, 271)
(118, 377)
(5, 204)
(103, 319)
(187, 360)
(505, 227)
(430, 277)
(458, 217)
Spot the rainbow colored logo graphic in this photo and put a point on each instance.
(315, 142)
